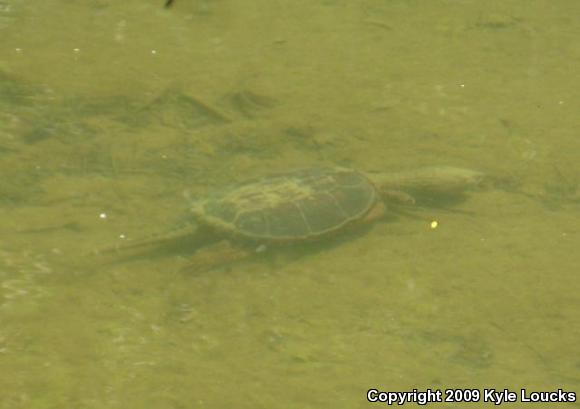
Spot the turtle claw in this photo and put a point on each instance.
(216, 255)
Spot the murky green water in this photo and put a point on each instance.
(110, 110)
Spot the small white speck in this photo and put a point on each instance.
(261, 248)
(18, 50)
(153, 52)
(76, 50)
(122, 236)
(103, 216)
(462, 85)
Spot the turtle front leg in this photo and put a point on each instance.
(398, 197)
(216, 255)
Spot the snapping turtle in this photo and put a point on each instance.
(306, 204)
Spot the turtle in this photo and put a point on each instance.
(302, 205)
